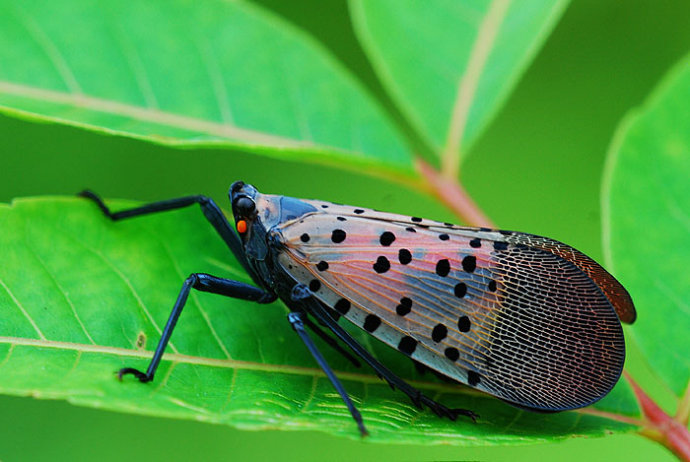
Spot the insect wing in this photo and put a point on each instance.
(506, 313)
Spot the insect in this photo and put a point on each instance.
(525, 318)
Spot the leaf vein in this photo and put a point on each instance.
(227, 363)
(297, 108)
(312, 394)
(186, 405)
(135, 64)
(468, 83)
(129, 285)
(61, 289)
(51, 50)
(231, 390)
(163, 382)
(197, 303)
(671, 295)
(6, 359)
(216, 76)
(76, 363)
(22, 309)
(156, 116)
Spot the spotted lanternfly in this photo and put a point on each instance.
(525, 318)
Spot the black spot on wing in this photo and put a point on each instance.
(387, 238)
(443, 267)
(473, 378)
(439, 333)
(371, 323)
(464, 324)
(342, 306)
(469, 263)
(382, 265)
(404, 307)
(452, 353)
(404, 256)
(500, 245)
(460, 289)
(407, 345)
(338, 236)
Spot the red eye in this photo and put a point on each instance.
(241, 226)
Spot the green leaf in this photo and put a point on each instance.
(185, 73)
(646, 204)
(82, 297)
(437, 58)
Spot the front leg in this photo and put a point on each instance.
(204, 283)
(210, 209)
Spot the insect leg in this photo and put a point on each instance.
(297, 318)
(301, 292)
(417, 397)
(204, 283)
(331, 342)
(210, 209)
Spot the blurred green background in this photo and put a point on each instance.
(537, 168)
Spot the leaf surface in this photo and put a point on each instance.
(450, 65)
(178, 72)
(646, 205)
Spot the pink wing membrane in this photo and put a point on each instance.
(465, 302)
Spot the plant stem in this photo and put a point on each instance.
(451, 193)
(683, 411)
(659, 426)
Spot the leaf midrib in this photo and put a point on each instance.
(222, 130)
(227, 363)
(468, 84)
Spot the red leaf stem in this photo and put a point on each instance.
(659, 426)
(451, 193)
